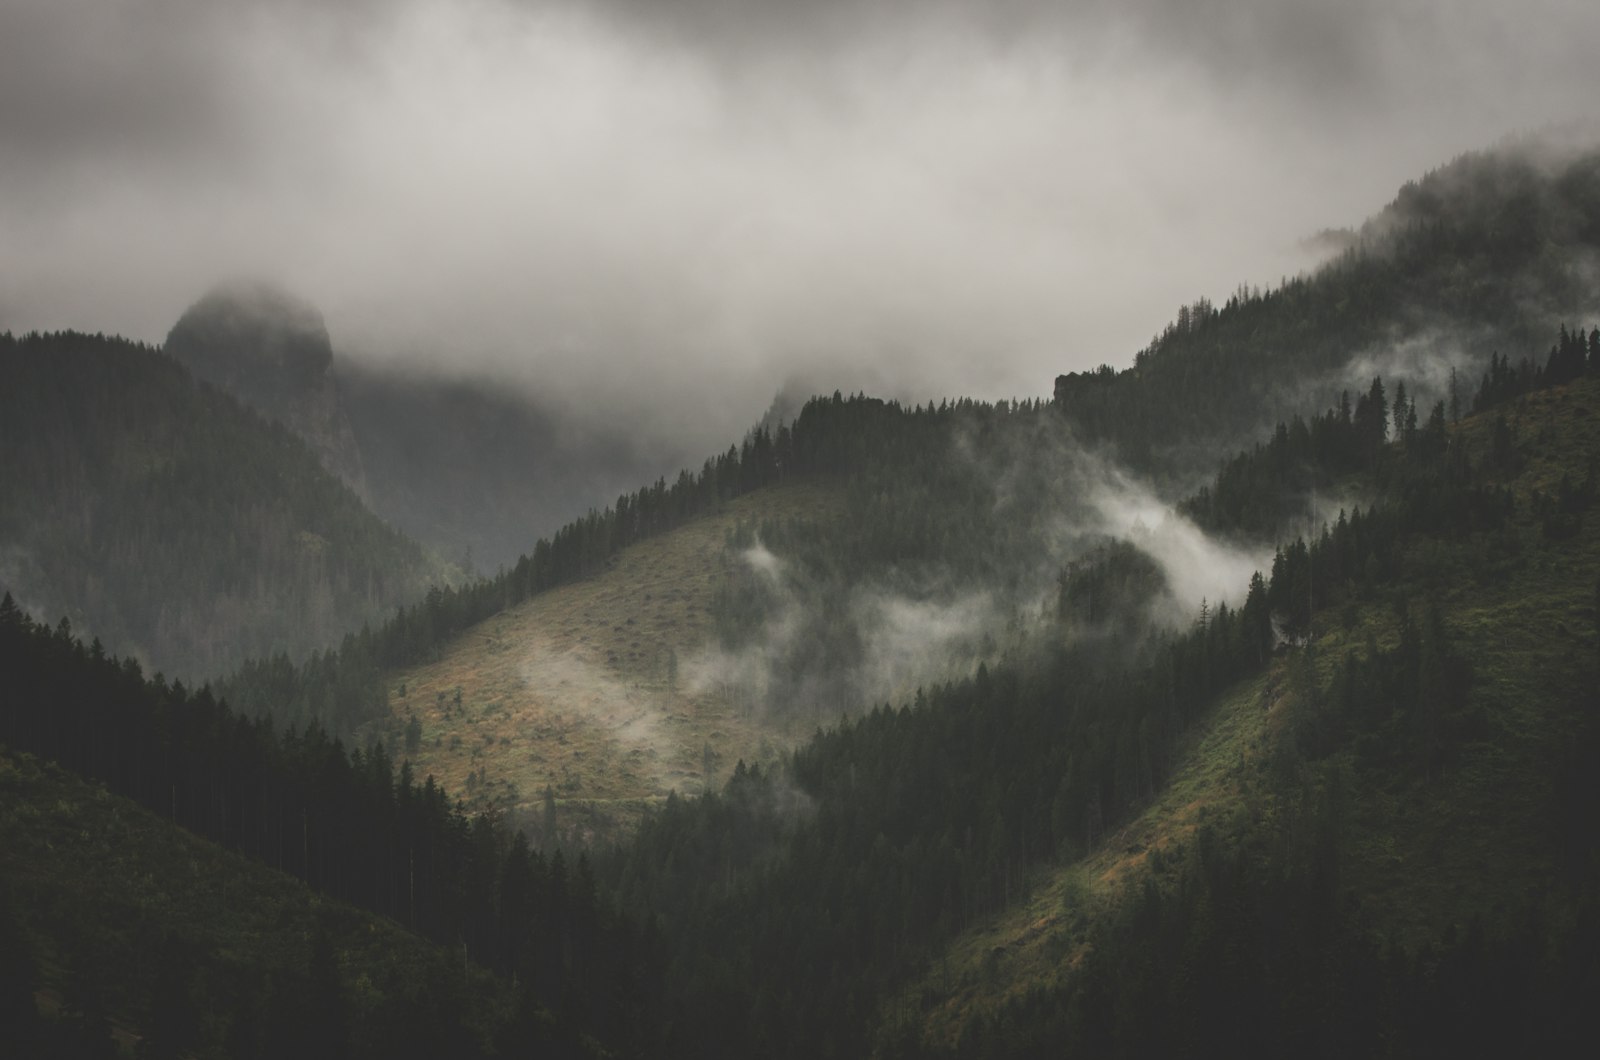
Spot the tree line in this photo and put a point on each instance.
(1465, 242)
(348, 822)
(843, 871)
(174, 522)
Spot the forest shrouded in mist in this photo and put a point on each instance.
(1236, 701)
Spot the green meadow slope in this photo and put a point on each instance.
(608, 691)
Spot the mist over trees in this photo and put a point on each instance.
(1476, 258)
(474, 469)
(1406, 521)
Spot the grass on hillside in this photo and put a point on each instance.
(100, 885)
(1421, 855)
(1037, 940)
(601, 690)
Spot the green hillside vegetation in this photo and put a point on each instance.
(1480, 840)
(1039, 942)
(349, 825)
(1477, 257)
(600, 692)
(135, 928)
(885, 838)
(1347, 809)
(171, 522)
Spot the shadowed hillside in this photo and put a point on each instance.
(171, 522)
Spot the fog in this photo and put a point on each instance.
(1198, 568)
(656, 214)
(818, 641)
(906, 642)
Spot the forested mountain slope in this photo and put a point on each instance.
(173, 523)
(95, 879)
(1296, 761)
(1387, 838)
(1479, 256)
(1385, 817)
(960, 515)
(475, 468)
(137, 930)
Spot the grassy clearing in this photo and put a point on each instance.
(596, 689)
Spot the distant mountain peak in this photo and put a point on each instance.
(270, 349)
(253, 338)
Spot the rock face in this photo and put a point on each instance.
(270, 350)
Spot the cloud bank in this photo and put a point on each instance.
(654, 214)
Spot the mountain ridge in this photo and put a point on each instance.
(167, 518)
(1342, 803)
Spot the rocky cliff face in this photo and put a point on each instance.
(271, 351)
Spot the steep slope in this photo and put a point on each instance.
(609, 692)
(1481, 255)
(346, 823)
(1492, 829)
(171, 522)
(131, 920)
(271, 351)
(476, 468)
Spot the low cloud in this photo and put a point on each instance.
(1197, 567)
(653, 214)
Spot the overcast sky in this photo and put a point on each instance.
(661, 210)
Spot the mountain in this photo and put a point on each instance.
(180, 893)
(149, 936)
(958, 520)
(1348, 808)
(477, 469)
(1432, 833)
(1237, 702)
(609, 692)
(1481, 256)
(474, 469)
(271, 351)
(163, 517)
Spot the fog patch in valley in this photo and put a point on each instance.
(904, 642)
(1091, 497)
(905, 629)
(1197, 567)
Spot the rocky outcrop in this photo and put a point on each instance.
(271, 350)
